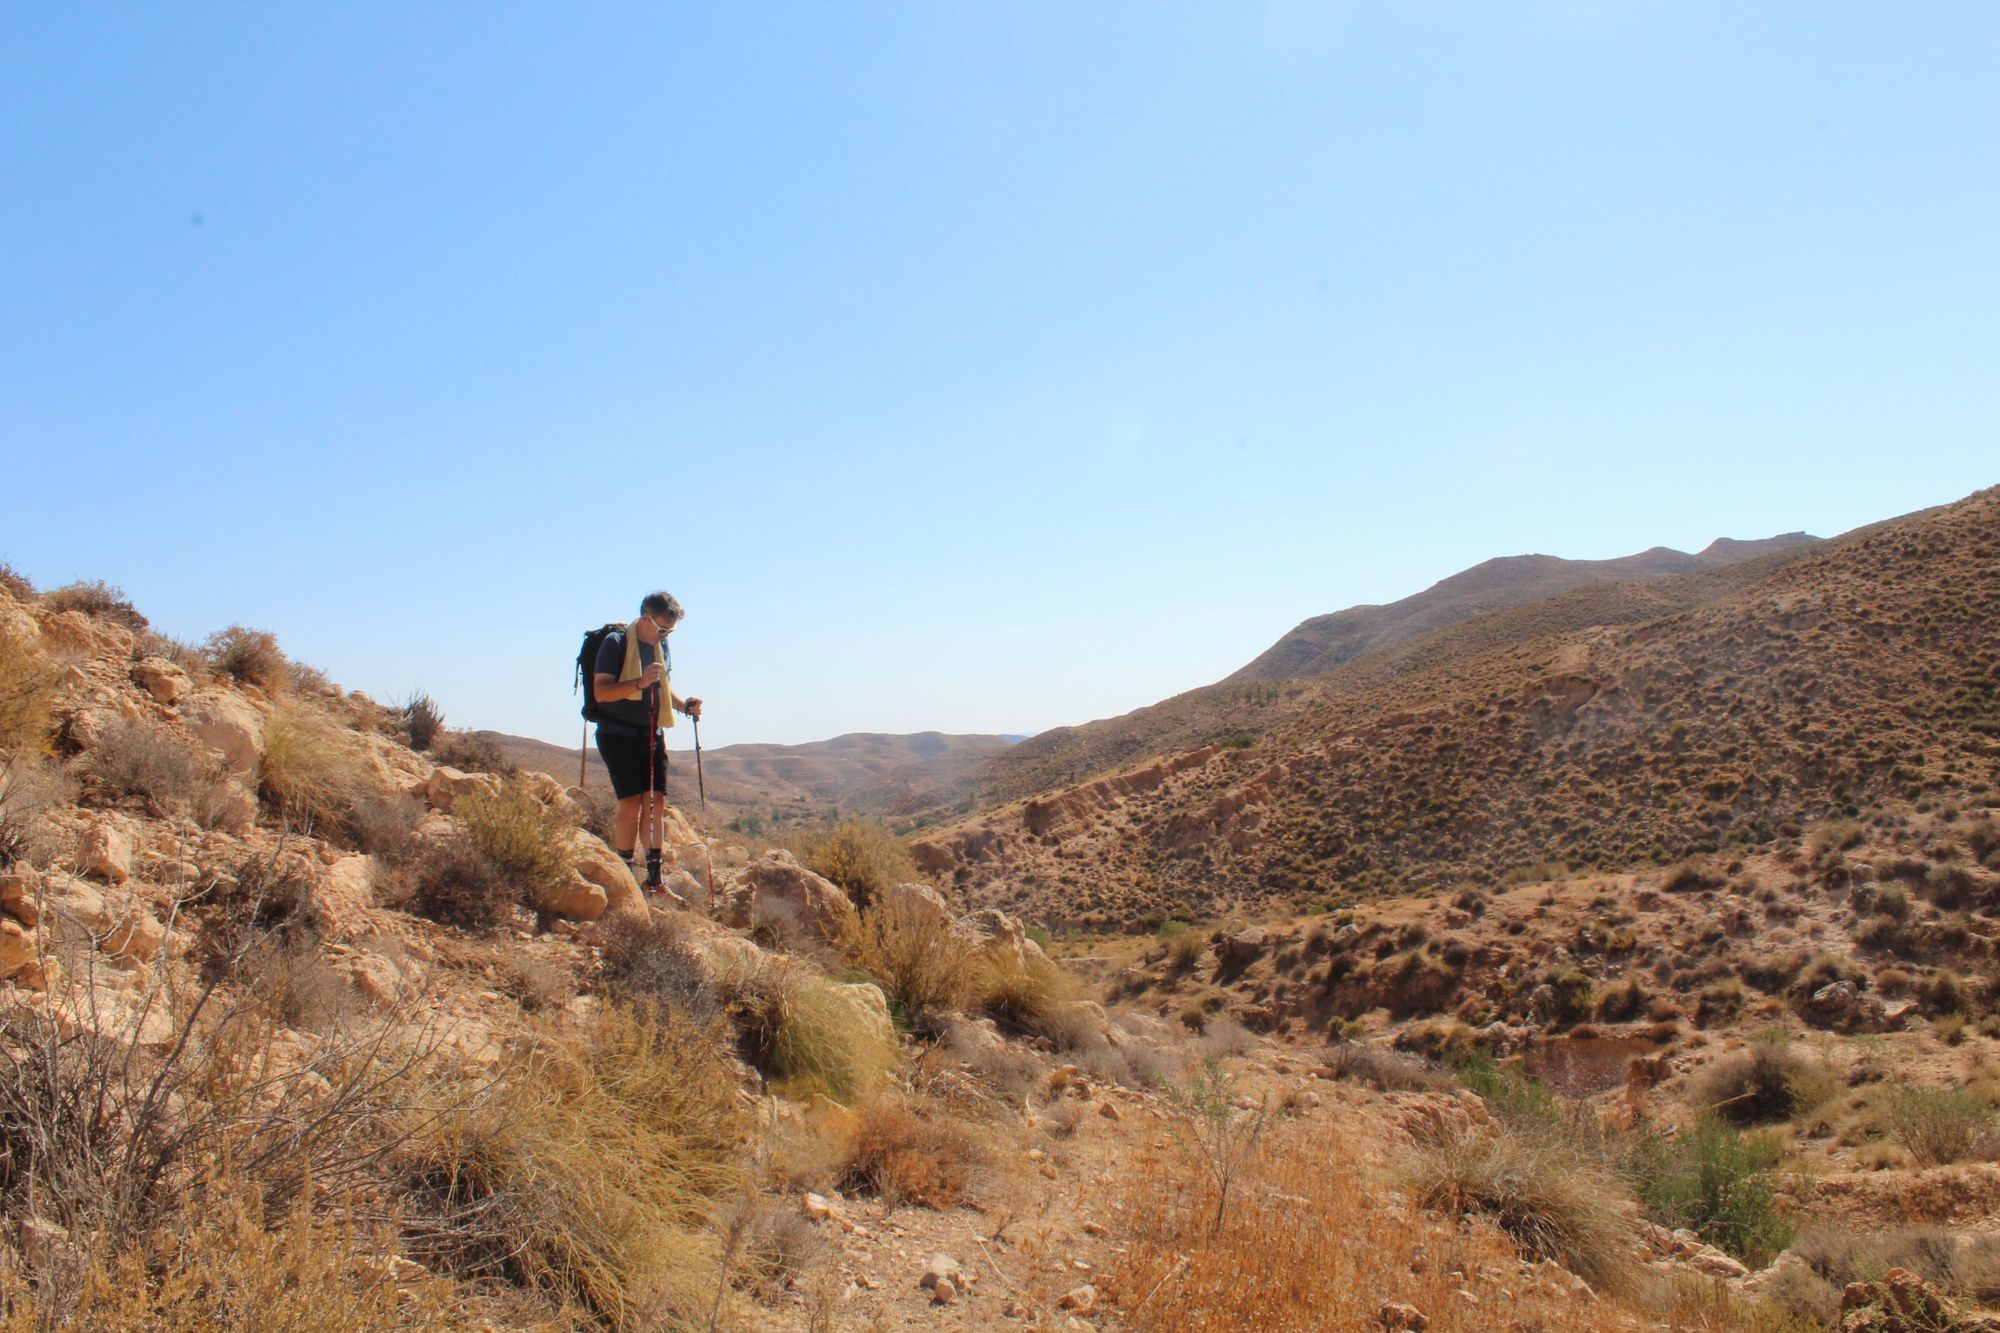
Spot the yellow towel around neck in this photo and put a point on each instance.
(632, 668)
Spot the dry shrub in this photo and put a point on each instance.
(138, 758)
(470, 752)
(221, 1268)
(1755, 1086)
(651, 959)
(861, 856)
(314, 771)
(907, 944)
(99, 599)
(16, 584)
(385, 826)
(251, 656)
(1556, 1204)
(588, 1172)
(910, 1151)
(28, 690)
(1940, 1125)
(30, 787)
(456, 884)
(421, 720)
(526, 839)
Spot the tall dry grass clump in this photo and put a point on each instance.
(799, 1026)
(861, 856)
(1031, 997)
(911, 1151)
(588, 1173)
(526, 839)
(28, 690)
(251, 656)
(1313, 1238)
(314, 771)
(30, 787)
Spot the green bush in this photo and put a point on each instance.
(1716, 1181)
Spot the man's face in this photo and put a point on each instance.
(662, 626)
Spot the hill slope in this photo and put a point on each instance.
(1323, 643)
(1755, 696)
(1241, 708)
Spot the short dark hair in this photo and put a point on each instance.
(661, 604)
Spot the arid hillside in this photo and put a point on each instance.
(778, 784)
(1319, 645)
(1754, 697)
(1241, 709)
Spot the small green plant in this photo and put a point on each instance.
(1716, 1181)
(1221, 1136)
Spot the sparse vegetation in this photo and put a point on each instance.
(1716, 1181)
(421, 720)
(28, 690)
(99, 599)
(142, 759)
(907, 944)
(529, 842)
(1939, 1126)
(861, 856)
(456, 884)
(911, 1152)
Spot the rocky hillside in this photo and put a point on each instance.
(1757, 697)
(1323, 643)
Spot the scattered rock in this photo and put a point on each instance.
(162, 679)
(1078, 1299)
(1397, 1315)
(941, 1268)
(107, 854)
(1109, 1110)
(944, 1291)
(448, 786)
(596, 863)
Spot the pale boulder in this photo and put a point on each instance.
(106, 853)
(917, 904)
(777, 885)
(20, 896)
(344, 894)
(138, 936)
(448, 786)
(551, 795)
(596, 863)
(870, 1006)
(17, 626)
(992, 932)
(578, 899)
(165, 681)
(229, 727)
(18, 952)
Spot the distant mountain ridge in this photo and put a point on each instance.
(862, 770)
(1323, 643)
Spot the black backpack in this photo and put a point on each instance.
(586, 669)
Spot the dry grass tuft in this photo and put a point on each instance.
(251, 656)
(1556, 1204)
(30, 787)
(421, 719)
(456, 884)
(588, 1172)
(314, 771)
(801, 1028)
(1037, 999)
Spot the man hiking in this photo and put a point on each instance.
(635, 698)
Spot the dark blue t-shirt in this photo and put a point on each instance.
(623, 717)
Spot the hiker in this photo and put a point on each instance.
(631, 662)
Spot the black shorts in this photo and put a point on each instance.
(625, 757)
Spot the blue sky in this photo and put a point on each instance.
(970, 367)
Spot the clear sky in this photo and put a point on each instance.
(979, 367)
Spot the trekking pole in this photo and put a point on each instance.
(700, 785)
(651, 821)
